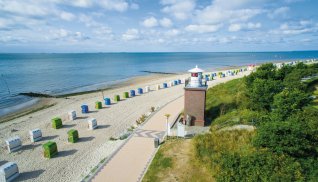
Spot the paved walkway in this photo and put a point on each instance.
(129, 163)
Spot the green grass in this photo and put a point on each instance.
(225, 97)
(209, 148)
(175, 161)
(159, 164)
(239, 116)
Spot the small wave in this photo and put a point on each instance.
(15, 108)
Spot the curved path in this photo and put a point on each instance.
(130, 161)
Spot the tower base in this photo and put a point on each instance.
(198, 123)
(194, 105)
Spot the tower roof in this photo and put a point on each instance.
(196, 70)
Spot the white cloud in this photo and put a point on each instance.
(131, 34)
(180, 9)
(213, 14)
(26, 8)
(82, 3)
(115, 5)
(150, 22)
(240, 26)
(281, 12)
(118, 5)
(172, 33)
(166, 22)
(235, 27)
(4, 23)
(296, 28)
(100, 30)
(66, 35)
(239, 4)
(253, 25)
(203, 28)
(231, 11)
(8, 39)
(67, 16)
(62, 33)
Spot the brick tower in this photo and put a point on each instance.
(194, 98)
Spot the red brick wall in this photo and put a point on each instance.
(194, 105)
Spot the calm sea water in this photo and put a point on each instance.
(66, 73)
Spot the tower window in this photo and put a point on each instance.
(194, 74)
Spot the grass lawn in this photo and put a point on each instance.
(175, 161)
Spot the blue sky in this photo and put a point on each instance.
(157, 26)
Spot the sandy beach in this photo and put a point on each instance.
(75, 161)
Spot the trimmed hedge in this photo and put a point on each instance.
(50, 149)
(57, 123)
(98, 105)
(72, 136)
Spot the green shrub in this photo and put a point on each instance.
(124, 136)
(116, 98)
(262, 92)
(113, 139)
(152, 109)
(259, 166)
(50, 149)
(289, 101)
(297, 136)
(57, 123)
(141, 119)
(72, 136)
(98, 105)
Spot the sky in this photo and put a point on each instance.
(53, 26)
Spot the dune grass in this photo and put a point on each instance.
(175, 161)
(225, 98)
(211, 147)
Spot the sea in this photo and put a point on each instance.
(63, 73)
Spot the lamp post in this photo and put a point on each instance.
(167, 124)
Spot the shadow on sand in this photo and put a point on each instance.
(29, 175)
(65, 153)
(49, 137)
(3, 162)
(82, 117)
(30, 146)
(69, 126)
(102, 126)
(85, 139)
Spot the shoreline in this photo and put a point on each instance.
(115, 85)
(43, 98)
(50, 100)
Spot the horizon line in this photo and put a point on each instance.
(128, 52)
